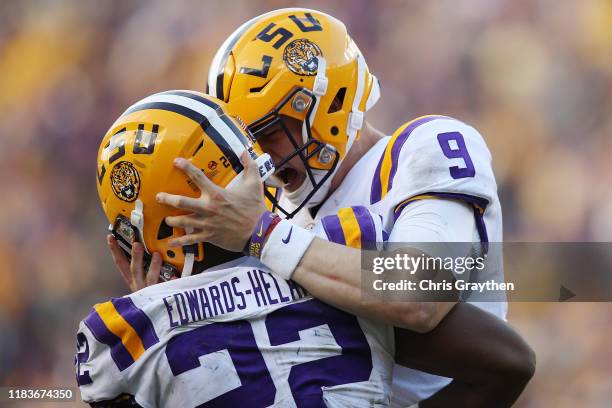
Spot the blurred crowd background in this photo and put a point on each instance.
(534, 76)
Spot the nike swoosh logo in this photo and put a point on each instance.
(286, 240)
(260, 229)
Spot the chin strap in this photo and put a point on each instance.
(189, 259)
(137, 221)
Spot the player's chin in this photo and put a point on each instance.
(291, 178)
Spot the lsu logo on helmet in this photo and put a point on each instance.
(125, 181)
(301, 57)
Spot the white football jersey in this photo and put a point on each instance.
(235, 335)
(427, 158)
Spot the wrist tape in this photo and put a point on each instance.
(285, 247)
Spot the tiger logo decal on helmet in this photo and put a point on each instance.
(125, 181)
(301, 57)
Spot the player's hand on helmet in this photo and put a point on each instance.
(132, 271)
(223, 217)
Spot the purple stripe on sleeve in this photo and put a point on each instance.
(118, 352)
(482, 230)
(479, 201)
(399, 142)
(470, 199)
(138, 319)
(333, 229)
(376, 191)
(366, 225)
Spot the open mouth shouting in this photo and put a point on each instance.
(290, 177)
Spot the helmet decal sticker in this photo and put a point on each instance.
(266, 60)
(101, 174)
(301, 57)
(307, 23)
(125, 181)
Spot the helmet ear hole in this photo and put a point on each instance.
(164, 230)
(338, 101)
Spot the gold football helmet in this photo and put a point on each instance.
(302, 64)
(135, 162)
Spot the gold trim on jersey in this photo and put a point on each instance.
(117, 325)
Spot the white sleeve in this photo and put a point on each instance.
(442, 220)
(435, 220)
(98, 377)
(425, 223)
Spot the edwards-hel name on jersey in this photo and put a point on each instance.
(236, 336)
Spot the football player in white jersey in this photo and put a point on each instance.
(303, 87)
(235, 335)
